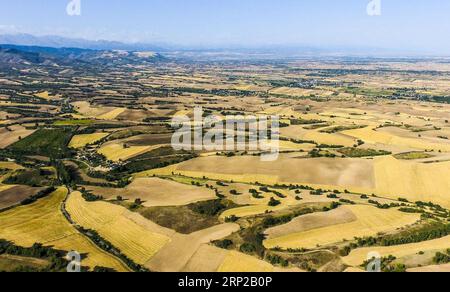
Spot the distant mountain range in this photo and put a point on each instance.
(63, 42)
(201, 52)
(20, 56)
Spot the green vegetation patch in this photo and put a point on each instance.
(413, 155)
(46, 142)
(359, 152)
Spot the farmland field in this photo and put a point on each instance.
(355, 159)
(369, 221)
(157, 192)
(138, 241)
(43, 222)
(79, 141)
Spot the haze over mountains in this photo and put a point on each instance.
(231, 51)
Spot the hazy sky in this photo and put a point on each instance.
(403, 24)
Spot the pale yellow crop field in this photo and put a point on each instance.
(157, 192)
(370, 221)
(10, 165)
(112, 114)
(299, 91)
(298, 132)
(242, 263)
(346, 173)
(431, 269)
(414, 181)
(43, 222)
(250, 211)
(118, 152)
(46, 95)
(80, 141)
(313, 221)
(100, 113)
(370, 135)
(135, 239)
(358, 256)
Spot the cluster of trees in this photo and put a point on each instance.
(442, 258)
(277, 260)
(89, 197)
(208, 208)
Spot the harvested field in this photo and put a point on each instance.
(158, 192)
(14, 134)
(13, 195)
(238, 262)
(43, 222)
(250, 211)
(135, 236)
(338, 216)
(358, 256)
(80, 141)
(370, 135)
(322, 171)
(298, 132)
(121, 152)
(431, 269)
(100, 113)
(370, 221)
(112, 115)
(414, 181)
(174, 256)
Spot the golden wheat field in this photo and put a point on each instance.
(415, 181)
(80, 141)
(370, 221)
(44, 223)
(121, 152)
(136, 240)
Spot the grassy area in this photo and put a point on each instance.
(359, 152)
(187, 219)
(46, 142)
(338, 129)
(9, 263)
(413, 155)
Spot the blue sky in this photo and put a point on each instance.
(404, 24)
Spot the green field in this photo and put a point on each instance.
(46, 142)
